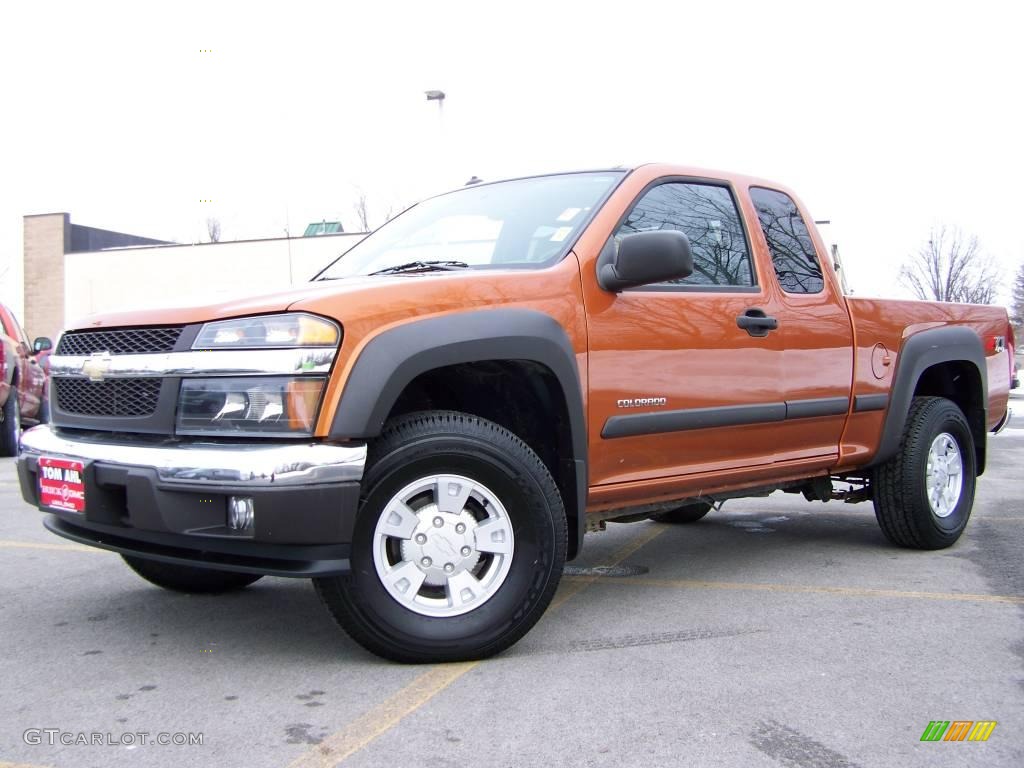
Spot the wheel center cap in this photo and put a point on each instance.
(442, 545)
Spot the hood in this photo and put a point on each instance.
(205, 311)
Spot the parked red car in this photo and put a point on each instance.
(23, 400)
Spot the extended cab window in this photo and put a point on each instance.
(796, 263)
(707, 215)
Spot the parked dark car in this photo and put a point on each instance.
(23, 400)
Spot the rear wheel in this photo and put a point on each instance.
(688, 513)
(684, 514)
(924, 494)
(459, 544)
(10, 430)
(187, 578)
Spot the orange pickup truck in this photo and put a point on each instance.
(429, 427)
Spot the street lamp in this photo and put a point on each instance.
(437, 96)
(440, 152)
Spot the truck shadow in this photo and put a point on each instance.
(275, 619)
(738, 546)
(282, 620)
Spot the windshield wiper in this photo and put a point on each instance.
(422, 266)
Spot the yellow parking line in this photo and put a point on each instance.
(798, 588)
(573, 585)
(383, 717)
(10, 544)
(386, 715)
(18, 765)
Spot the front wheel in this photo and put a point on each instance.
(10, 429)
(924, 494)
(186, 578)
(459, 543)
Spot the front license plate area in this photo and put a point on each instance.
(61, 484)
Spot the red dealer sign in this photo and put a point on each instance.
(61, 484)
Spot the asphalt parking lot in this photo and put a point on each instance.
(774, 632)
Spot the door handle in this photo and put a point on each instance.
(755, 322)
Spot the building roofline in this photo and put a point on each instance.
(156, 246)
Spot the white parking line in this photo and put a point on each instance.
(10, 544)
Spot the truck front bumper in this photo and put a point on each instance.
(167, 499)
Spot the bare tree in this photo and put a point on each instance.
(213, 229)
(362, 213)
(951, 267)
(1017, 302)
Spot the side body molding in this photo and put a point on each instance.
(390, 361)
(920, 352)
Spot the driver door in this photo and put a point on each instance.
(677, 387)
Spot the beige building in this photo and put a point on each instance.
(72, 270)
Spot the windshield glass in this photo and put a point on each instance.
(521, 223)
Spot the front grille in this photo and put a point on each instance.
(113, 397)
(124, 341)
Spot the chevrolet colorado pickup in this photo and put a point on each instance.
(429, 427)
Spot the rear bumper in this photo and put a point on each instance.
(167, 499)
(1003, 422)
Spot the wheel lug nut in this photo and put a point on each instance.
(421, 538)
(426, 562)
(448, 567)
(438, 522)
(466, 551)
(460, 528)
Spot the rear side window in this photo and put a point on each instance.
(707, 215)
(796, 263)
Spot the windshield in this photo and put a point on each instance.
(521, 223)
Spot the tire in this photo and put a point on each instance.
(688, 513)
(921, 508)
(187, 578)
(44, 410)
(399, 603)
(10, 429)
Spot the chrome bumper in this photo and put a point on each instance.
(253, 464)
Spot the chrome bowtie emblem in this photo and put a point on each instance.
(96, 367)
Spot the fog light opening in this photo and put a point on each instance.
(241, 513)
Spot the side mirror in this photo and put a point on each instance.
(644, 258)
(41, 344)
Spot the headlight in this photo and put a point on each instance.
(254, 406)
(291, 329)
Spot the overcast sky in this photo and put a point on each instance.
(887, 118)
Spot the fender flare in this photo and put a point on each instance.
(921, 351)
(390, 361)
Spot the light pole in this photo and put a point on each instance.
(439, 97)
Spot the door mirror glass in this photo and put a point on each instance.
(41, 344)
